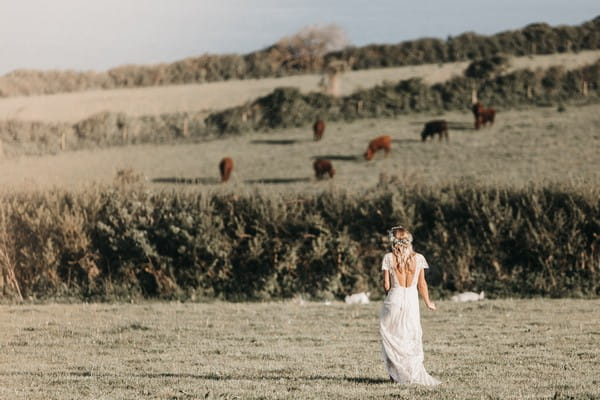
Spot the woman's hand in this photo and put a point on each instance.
(431, 306)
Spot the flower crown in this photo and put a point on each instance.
(395, 241)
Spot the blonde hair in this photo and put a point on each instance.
(404, 255)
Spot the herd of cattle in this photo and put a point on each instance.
(322, 167)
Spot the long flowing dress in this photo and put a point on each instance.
(400, 327)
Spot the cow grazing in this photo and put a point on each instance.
(225, 168)
(435, 127)
(379, 143)
(318, 129)
(483, 115)
(323, 167)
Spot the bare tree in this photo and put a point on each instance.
(306, 48)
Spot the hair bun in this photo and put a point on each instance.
(405, 241)
(392, 231)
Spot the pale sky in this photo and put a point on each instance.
(101, 34)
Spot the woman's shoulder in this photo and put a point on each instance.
(387, 257)
(387, 261)
(421, 260)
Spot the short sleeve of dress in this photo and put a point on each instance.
(422, 262)
(386, 264)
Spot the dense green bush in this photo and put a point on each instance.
(487, 67)
(114, 242)
(276, 60)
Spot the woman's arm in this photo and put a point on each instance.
(386, 281)
(422, 286)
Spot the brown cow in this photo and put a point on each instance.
(318, 129)
(483, 115)
(431, 128)
(379, 143)
(323, 167)
(225, 167)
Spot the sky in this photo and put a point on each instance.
(101, 34)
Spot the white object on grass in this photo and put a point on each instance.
(358, 298)
(468, 296)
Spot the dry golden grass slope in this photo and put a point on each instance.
(495, 349)
(537, 145)
(72, 107)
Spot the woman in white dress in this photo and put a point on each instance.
(400, 325)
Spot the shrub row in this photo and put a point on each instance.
(537, 38)
(277, 60)
(104, 129)
(115, 243)
(287, 107)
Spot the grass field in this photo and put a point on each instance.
(538, 145)
(495, 349)
(72, 107)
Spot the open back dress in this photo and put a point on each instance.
(400, 327)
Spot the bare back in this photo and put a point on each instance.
(405, 276)
(402, 277)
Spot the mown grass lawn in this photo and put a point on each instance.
(496, 349)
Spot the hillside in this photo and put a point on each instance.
(192, 98)
(531, 146)
(282, 59)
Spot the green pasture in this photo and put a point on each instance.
(494, 349)
(528, 146)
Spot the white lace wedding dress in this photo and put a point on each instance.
(400, 328)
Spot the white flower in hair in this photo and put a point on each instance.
(398, 242)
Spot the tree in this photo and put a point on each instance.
(487, 67)
(305, 49)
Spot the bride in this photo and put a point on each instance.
(400, 325)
